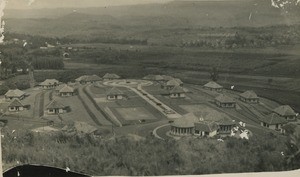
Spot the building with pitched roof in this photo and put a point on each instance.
(49, 84)
(114, 94)
(208, 129)
(177, 92)
(224, 101)
(111, 76)
(273, 121)
(286, 112)
(55, 107)
(213, 86)
(15, 106)
(15, 94)
(66, 91)
(225, 127)
(169, 85)
(182, 126)
(249, 97)
(87, 79)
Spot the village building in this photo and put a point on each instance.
(55, 107)
(249, 97)
(49, 84)
(224, 101)
(177, 92)
(213, 86)
(273, 121)
(15, 94)
(169, 85)
(15, 106)
(182, 127)
(57, 89)
(208, 129)
(179, 81)
(114, 94)
(225, 127)
(111, 76)
(66, 91)
(88, 79)
(286, 112)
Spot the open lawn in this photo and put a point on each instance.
(135, 113)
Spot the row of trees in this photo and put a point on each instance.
(47, 63)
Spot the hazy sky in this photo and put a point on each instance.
(24, 4)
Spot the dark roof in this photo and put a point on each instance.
(14, 93)
(273, 119)
(183, 123)
(249, 94)
(284, 110)
(213, 85)
(15, 103)
(224, 99)
(111, 76)
(114, 91)
(206, 126)
(55, 105)
(177, 89)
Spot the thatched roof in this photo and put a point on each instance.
(55, 105)
(249, 94)
(206, 126)
(284, 110)
(49, 82)
(111, 76)
(172, 82)
(15, 103)
(224, 99)
(177, 89)
(183, 123)
(14, 93)
(273, 119)
(213, 85)
(114, 91)
(66, 89)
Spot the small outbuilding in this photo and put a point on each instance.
(114, 94)
(207, 129)
(286, 112)
(169, 85)
(249, 97)
(66, 91)
(111, 76)
(177, 92)
(15, 106)
(88, 79)
(213, 86)
(49, 84)
(14, 94)
(55, 107)
(225, 127)
(273, 121)
(224, 101)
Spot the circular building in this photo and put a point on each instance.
(182, 127)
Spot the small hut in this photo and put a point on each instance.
(15, 106)
(66, 91)
(224, 101)
(114, 94)
(55, 107)
(14, 94)
(49, 84)
(273, 121)
(286, 112)
(213, 86)
(177, 92)
(249, 97)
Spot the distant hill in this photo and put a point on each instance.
(176, 14)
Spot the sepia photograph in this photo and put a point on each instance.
(149, 88)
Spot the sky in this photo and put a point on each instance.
(27, 4)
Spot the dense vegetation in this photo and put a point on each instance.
(149, 156)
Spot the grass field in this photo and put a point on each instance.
(136, 113)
